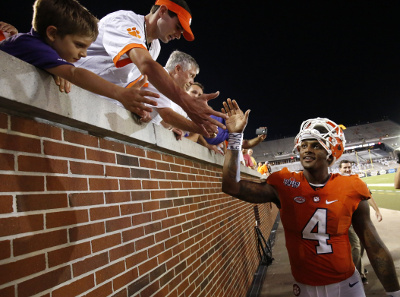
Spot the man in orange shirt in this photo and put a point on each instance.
(317, 209)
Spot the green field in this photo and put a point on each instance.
(383, 191)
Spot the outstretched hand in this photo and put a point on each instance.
(237, 120)
(133, 98)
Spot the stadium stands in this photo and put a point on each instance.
(370, 146)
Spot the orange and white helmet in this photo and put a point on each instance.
(328, 134)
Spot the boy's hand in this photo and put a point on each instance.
(134, 98)
(10, 29)
(237, 121)
(63, 84)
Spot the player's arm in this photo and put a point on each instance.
(231, 183)
(132, 98)
(197, 108)
(378, 254)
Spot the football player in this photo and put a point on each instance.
(316, 209)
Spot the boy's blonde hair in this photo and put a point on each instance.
(68, 16)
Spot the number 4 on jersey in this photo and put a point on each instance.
(316, 230)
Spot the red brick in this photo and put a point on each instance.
(75, 288)
(44, 282)
(41, 202)
(117, 197)
(21, 183)
(150, 184)
(163, 167)
(101, 213)
(131, 150)
(8, 292)
(60, 183)
(145, 163)
(86, 168)
(140, 173)
(155, 250)
(151, 205)
(136, 259)
(19, 225)
(130, 184)
(157, 174)
(90, 264)
(69, 253)
(37, 242)
(131, 208)
(127, 160)
(85, 199)
(168, 158)
(118, 224)
(144, 242)
(106, 242)
(7, 162)
(63, 150)
(99, 184)
(3, 122)
(125, 279)
(150, 290)
(5, 249)
(153, 155)
(80, 138)
(101, 291)
(29, 126)
(122, 251)
(112, 145)
(140, 195)
(118, 171)
(19, 143)
(132, 234)
(13, 271)
(6, 204)
(100, 156)
(141, 219)
(122, 293)
(86, 231)
(66, 218)
(109, 272)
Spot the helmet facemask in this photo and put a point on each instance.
(326, 132)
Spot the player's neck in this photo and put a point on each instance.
(316, 177)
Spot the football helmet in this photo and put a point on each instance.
(328, 134)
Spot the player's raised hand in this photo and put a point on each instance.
(237, 120)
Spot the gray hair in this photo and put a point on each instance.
(180, 58)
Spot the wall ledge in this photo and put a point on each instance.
(31, 92)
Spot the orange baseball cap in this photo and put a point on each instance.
(184, 17)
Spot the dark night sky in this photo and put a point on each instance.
(287, 61)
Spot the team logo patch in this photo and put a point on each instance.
(316, 199)
(299, 199)
(296, 290)
(134, 32)
(291, 182)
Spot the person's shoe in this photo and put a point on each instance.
(364, 280)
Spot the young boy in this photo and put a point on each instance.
(61, 34)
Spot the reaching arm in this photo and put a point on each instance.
(378, 214)
(174, 119)
(397, 179)
(378, 254)
(231, 183)
(197, 108)
(253, 142)
(132, 98)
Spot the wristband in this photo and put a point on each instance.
(235, 141)
(393, 294)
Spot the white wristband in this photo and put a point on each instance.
(393, 294)
(235, 141)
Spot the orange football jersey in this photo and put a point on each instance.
(316, 224)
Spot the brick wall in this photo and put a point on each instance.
(94, 207)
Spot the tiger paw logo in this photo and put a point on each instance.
(134, 32)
